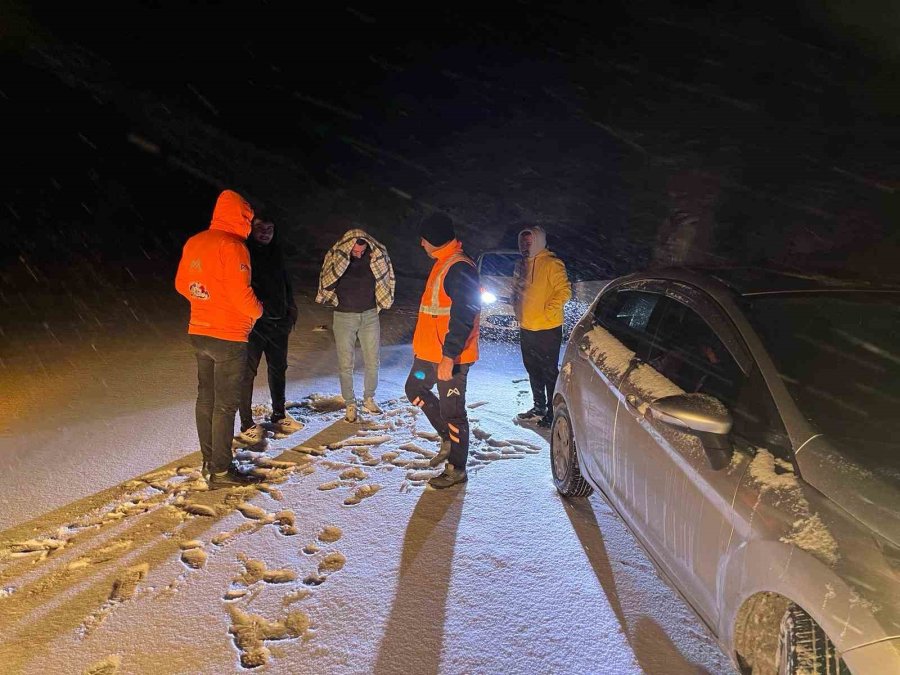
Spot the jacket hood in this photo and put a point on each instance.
(538, 244)
(232, 214)
(349, 238)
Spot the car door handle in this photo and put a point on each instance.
(582, 350)
(632, 401)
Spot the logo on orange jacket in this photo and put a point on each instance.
(199, 291)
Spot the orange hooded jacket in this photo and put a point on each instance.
(214, 273)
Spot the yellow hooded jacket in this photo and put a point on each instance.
(541, 287)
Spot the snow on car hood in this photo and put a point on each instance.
(858, 481)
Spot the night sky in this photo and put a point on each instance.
(638, 134)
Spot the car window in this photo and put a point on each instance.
(837, 355)
(684, 349)
(498, 264)
(626, 314)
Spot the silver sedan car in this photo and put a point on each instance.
(745, 424)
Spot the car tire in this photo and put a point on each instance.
(804, 648)
(564, 457)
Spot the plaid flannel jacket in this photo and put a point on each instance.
(338, 258)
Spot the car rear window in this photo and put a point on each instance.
(498, 264)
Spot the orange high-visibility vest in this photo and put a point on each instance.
(434, 310)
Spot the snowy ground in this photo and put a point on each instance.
(344, 563)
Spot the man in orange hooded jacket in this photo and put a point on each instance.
(445, 345)
(214, 275)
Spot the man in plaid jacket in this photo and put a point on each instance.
(357, 279)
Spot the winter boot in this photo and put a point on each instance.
(451, 476)
(252, 436)
(371, 406)
(287, 425)
(536, 413)
(230, 478)
(546, 421)
(443, 453)
(350, 415)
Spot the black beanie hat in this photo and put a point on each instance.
(437, 229)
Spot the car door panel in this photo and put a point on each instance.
(682, 505)
(618, 319)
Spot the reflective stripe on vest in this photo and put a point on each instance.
(435, 309)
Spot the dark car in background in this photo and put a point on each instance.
(498, 319)
(744, 423)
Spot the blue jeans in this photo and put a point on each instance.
(366, 327)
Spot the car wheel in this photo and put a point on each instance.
(804, 648)
(564, 457)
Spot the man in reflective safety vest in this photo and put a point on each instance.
(445, 345)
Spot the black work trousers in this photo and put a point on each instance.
(447, 411)
(221, 367)
(540, 354)
(270, 339)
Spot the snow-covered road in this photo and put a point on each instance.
(149, 576)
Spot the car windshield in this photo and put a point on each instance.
(498, 264)
(839, 356)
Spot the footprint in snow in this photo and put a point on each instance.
(527, 444)
(198, 509)
(420, 476)
(333, 562)
(361, 493)
(477, 404)
(127, 582)
(252, 631)
(256, 570)
(412, 447)
(124, 587)
(221, 538)
(353, 473)
(108, 666)
(42, 547)
(295, 596)
(330, 534)
(253, 512)
(274, 493)
(195, 558)
(104, 554)
(314, 579)
(287, 523)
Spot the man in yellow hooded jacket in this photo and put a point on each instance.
(541, 290)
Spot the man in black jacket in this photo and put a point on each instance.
(272, 286)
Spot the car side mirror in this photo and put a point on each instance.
(702, 416)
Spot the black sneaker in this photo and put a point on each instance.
(442, 454)
(536, 413)
(546, 421)
(230, 478)
(451, 476)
